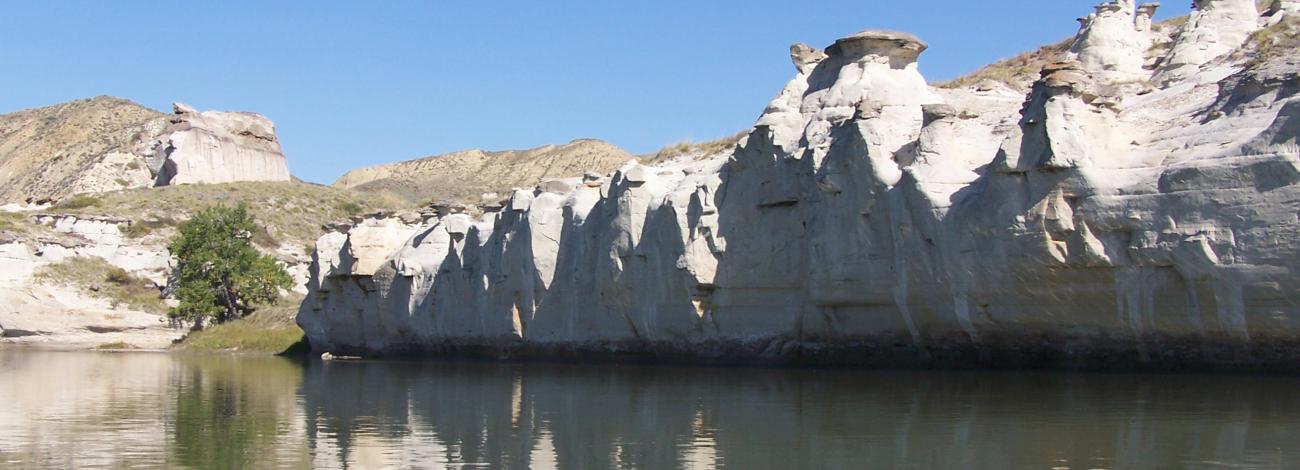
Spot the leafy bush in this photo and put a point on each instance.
(219, 275)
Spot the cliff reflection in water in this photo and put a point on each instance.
(109, 410)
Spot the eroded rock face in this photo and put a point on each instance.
(40, 311)
(463, 176)
(1283, 6)
(1215, 28)
(218, 147)
(871, 219)
(1112, 42)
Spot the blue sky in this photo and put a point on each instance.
(358, 83)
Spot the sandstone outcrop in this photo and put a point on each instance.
(217, 147)
(869, 218)
(107, 144)
(1215, 28)
(1112, 42)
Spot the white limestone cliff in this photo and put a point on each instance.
(1215, 28)
(871, 219)
(1112, 41)
(217, 147)
(35, 311)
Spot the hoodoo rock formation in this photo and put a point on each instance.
(1215, 28)
(1137, 208)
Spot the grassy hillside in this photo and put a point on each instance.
(464, 176)
(290, 212)
(45, 151)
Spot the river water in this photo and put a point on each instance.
(150, 410)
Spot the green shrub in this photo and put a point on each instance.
(219, 275)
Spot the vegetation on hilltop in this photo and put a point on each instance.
(287, 212)
(465, 176)
(1024, 68)
(1016, 71)
(686, 147)
(1277, 40)
(47, 150)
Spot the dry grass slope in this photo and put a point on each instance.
(43, 150)
(465, 176)
(290, 212)
(1017, 71)
(712, 147)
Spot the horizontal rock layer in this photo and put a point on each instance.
(871, 219)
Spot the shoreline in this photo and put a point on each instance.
(951, 361)
(1199, 355)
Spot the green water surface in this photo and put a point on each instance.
(150, 410)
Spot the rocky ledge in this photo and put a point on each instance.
(1137, 207)
(217, 147)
